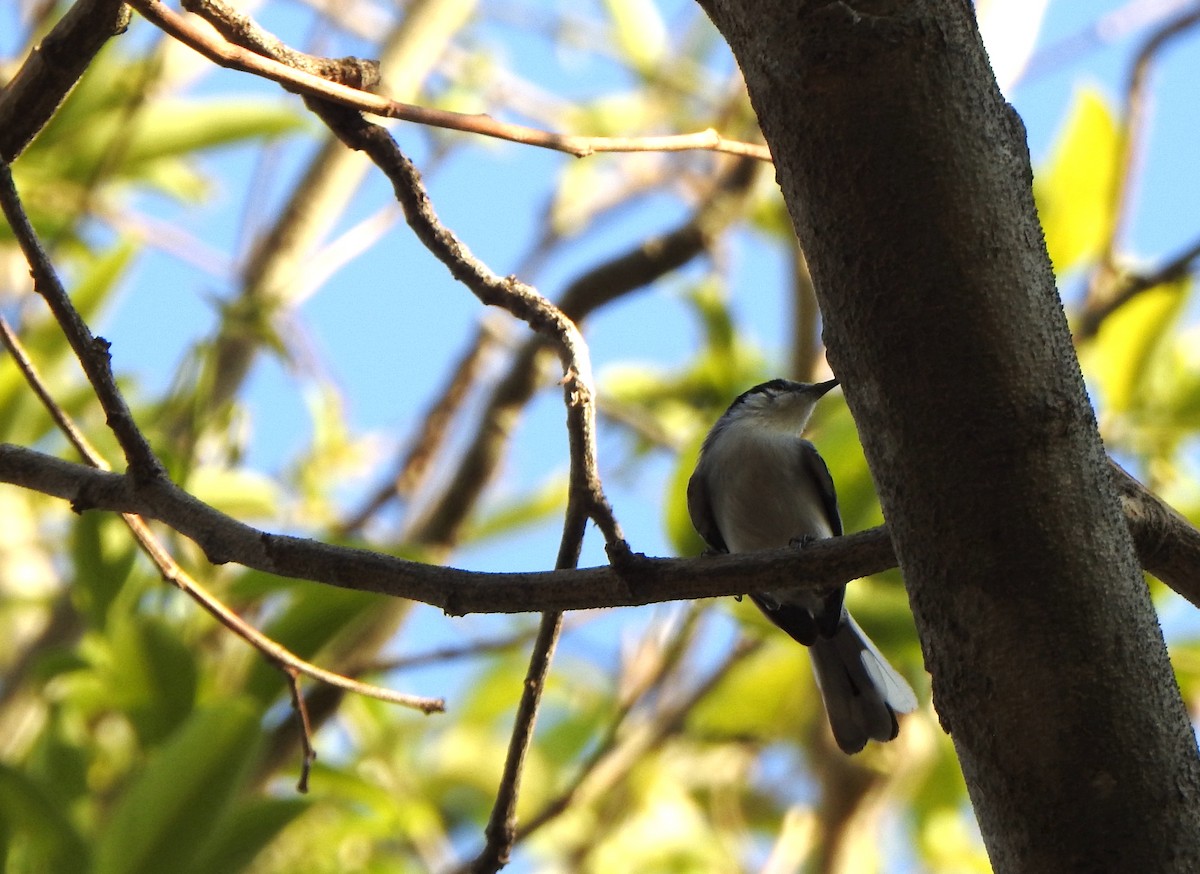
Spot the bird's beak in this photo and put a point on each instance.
(823, 387)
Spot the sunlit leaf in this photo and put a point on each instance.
(640, 31)
(313, 617)
(766, 695)
(243, 494)
(676, 520)
(164, 130)
(1074, 188)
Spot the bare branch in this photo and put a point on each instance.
(501, 827)
(639, 580)
(235, 57)
(50, 72)
(241, 30)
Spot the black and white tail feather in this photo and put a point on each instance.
(759, 485)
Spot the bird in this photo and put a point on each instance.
(758, 484)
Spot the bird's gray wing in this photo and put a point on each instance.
(700, 509)
(812, 462)
(829, 618)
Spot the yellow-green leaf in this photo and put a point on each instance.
(640, 32)
(1121, 360)
(1074, 188)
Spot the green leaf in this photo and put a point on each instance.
(769, 694)
(169, 812)
(152, 676)
(676, 520)
(180, 127)
(245, 831)
(133, 146)
(35, 835)
(1074, 189)
(103, 553)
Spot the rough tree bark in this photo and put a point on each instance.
(908, 181)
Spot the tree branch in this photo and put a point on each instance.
(1168, 545)
(31, 97)
(235, 57)
(92, 351)
(1122, 288)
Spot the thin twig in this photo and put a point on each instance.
(174, 574)
(616, 756)
(447, 654)
(308, 751)
(234, 57)
(500, 831)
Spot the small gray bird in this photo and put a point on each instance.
(760, 485)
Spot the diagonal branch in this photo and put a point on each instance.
(630, 271)
(92, 351)
(508, 293)
(1125, 287)
(31, 97)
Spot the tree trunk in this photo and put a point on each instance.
(908, 181)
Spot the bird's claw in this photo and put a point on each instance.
(803, 541)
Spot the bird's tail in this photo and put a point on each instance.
(862, 692)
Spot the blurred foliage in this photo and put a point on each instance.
(136, 735)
